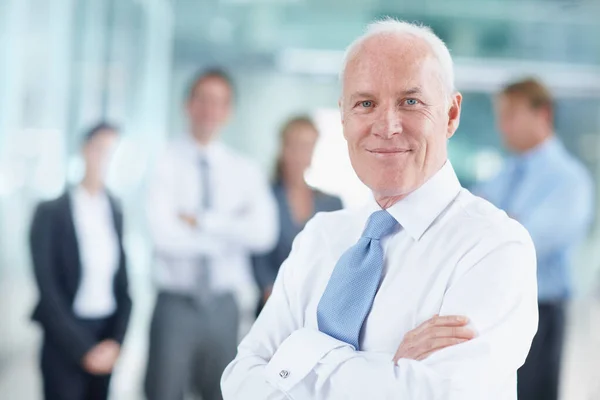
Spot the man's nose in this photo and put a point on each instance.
(388, 123)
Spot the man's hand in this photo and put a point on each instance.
(432, 335)
(189, 219)
(101, 359)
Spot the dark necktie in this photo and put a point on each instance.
(203, 287)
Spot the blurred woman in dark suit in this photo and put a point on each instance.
(76, 244)
(296, 200)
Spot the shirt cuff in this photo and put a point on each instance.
(297, 356)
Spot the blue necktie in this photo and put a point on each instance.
(514, 185)
(353, 284)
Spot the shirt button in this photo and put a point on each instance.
(284, 374)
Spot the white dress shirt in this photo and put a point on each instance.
(242, 219)
(453, 254)
(99, 254)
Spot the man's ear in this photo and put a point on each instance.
(454, 114)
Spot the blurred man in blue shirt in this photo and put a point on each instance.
(550, 193)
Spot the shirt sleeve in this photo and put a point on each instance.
(562, 213)
(171, 236)
(245, 377)
(255, 226)
(495, 286)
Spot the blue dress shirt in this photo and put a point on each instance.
(550, 193)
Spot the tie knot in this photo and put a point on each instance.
(203, 161)
(380, 224)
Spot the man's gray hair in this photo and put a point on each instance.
(392, 27)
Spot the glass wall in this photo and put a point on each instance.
(65, 65)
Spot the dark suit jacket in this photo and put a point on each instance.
(57, 267)
(266, 266)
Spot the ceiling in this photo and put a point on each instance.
(251, 31)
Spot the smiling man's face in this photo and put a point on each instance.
(396, 114)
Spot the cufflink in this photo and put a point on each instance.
(284, 374)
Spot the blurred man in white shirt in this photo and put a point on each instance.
(427, 292)
(209, 209)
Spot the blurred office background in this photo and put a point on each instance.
(65, 64)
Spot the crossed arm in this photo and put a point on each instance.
(281, 359)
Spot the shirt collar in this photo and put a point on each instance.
(80, 193)
(546, 147)
(194, 150)
(417, 211)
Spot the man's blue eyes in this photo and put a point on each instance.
(369, 103)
